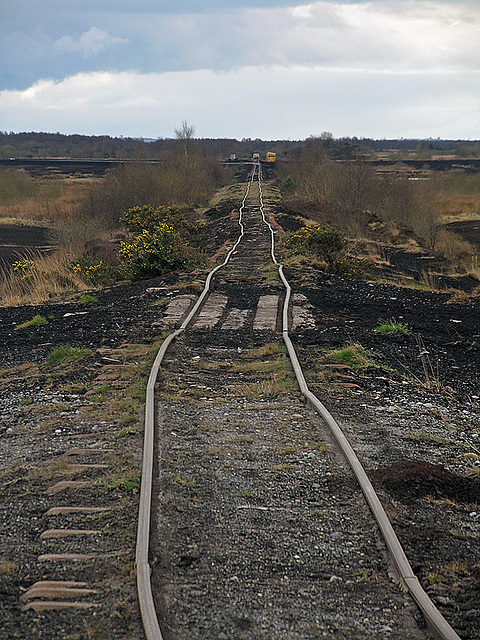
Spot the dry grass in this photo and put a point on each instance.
(50, 199)
(268, 366)
(270, 349)
(457, 567)
(51, 277)
(28, 372)
(273, 386)
(456, 196)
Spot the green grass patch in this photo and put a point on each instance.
(393, 328)
(353, 355)
(427, 438)
(36, 321)
(185, 482)
(270, 349)
(88, 299)
(65, 355)
(125, 483)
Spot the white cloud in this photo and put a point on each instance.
(221, 35)
(414, 34)
(89, 43)
(369, 67)
(266, 101)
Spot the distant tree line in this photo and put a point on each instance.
(57, 145)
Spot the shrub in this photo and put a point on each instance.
(25, 268)
(94, 273)
(152, 253)
(326, 243)
(148, 218)
(288, 186)
(351, 267)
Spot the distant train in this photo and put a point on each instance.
(269, 157)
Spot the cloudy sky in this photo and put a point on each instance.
(239, 68)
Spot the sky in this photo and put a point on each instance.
(270, 69)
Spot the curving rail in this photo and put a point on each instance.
(435, 621)
(144, 586)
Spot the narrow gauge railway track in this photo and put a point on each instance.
(247, 543)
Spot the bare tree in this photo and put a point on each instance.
(398, 201)
(428, 224)
(355, 193)
(185, 134)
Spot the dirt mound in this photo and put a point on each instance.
(413, 479)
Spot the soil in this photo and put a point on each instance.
(254, 475)
(414, 478)
(18, 241)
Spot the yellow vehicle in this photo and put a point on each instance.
(270, 157)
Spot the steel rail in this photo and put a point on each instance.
(435, 621)
(143, 569)
(438, 625)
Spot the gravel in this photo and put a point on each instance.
(260, 530)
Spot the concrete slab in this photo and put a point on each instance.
(175, 312)
(266, 315)
(211, 312)
(302, 317)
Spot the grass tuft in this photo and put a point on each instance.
(353, 355)
(36, 321)
(64, 355)
(393, 328)
(88, 299)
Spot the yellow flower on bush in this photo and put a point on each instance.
(325, 242)
(95, 273)
(25, 268)
(152, 253)
(150, 219)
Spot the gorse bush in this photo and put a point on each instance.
(351, 267)
(95, 273)
(164, 244)
(152, 253)
(148, 218)
(25, 268)
(326, 243)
